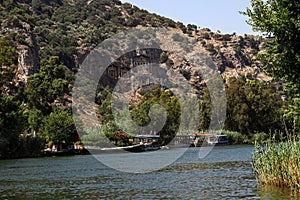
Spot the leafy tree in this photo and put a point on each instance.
(139, 113)
(237, 108)
(47, 85)
(171, 104)
(252, 107)
(192, 27)
(279, 20)
(105, 110)
(7, 52)
(205, 110)
(12, 119)
(265, 105)
(35, 119)
(12, 124)
(36, 5)
(59, 127)
(181, 26)
(8, 61)
(292, 116)
(132, 22)
(30, 146)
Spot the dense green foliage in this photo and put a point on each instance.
(169, 102)
(278, 163)
(49, 84)
(12, 119)
(139, 113)
(69, 29)
(279, 19)
(252, 107)
(59, 127)
(29, 117)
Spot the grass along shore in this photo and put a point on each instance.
(278, 164)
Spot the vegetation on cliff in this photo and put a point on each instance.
(52, 38)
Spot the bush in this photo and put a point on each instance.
(177, 37)
(163, 58)
(119, 137)
(226, 37)
(30, 147)
(203, 42)
(234, 137)
(210, 47)
(259, 138)
(206, 36)
(170, 63)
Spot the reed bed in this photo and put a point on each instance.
(278, 163)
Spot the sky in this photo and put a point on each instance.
(222, 15)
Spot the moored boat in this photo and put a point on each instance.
(210, 139)
(145, 143)
(140, 143)
(218, 140)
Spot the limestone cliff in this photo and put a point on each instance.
(71, 29)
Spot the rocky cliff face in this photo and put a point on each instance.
(28, 61)
(234, 56)
(26, 45)
(70, 29)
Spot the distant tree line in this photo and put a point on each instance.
(253, 107)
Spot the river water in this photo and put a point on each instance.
(225, 173)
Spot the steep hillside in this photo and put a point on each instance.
(235, 56)
(70, 29)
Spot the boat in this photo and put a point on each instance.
(65, 152)
(218, 140)
(142, 143)
(210, 139)
(181, 141)
(55, 150)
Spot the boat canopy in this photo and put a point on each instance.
(210, 135)
(205, 135)
(222, 135)
(147, 136)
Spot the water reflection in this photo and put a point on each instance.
(272, 192)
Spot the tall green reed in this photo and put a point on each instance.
(278, 163)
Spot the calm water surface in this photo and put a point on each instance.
(224, 174)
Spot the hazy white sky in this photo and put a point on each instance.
(220, 15)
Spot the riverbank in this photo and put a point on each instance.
(71, 152)
(42, 154)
